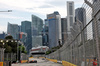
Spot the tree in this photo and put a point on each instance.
(9, 37)
(22, 49)
(10, 47)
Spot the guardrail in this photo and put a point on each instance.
(53, 60)
(64, 63)
(6, 63)
(1, 63)
(30, 57)
(24, 61)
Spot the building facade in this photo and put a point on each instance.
(70, 16)
(80, 15)
(37, 26)
(26, 34)
(37, 41)
(45, 37)
(54, 28)
(2, 35)
(64, 29)
(13, 30)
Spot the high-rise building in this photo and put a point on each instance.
(76, 30)
(80, 15)
(37, 26)
(26, 34)
(13, 30)
(70, 16)
(45, 38)
(19, 27)
(2, 35)
(54, 28)
(46, 22)
(64, 29)
(37, 41)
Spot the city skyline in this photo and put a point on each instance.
(22, 11)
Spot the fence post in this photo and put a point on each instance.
(7, 56)
(11, 56)
(97, 40)
(0, 55)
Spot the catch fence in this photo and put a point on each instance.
(83, 43)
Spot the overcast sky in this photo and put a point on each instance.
(23, 9)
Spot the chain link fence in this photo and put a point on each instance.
(78, 50)
(2, 54)
(10, 57)
(83, 42)
(24, 56)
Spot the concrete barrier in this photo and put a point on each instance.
(65, 63)
(5, 63)
(1, 63)
(53, 60)
(30, 57)
(24, 61)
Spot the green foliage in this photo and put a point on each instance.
(9, 37)
(48, 52)
(13, 46)
(10, 47)
(1, 45)
(25, 52)
(53, 49)
(22, 49)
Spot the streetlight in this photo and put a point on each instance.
(1, 40)
(6, 40)
(7, 11)
(11, 40)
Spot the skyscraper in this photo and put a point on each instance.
(80, 15)
(54, 21)
(64, 29)
(37, 26)
(27, 37)
(13, 30)
(2, 35)
(45, 36)
(70, 15)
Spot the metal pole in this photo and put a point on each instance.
(83, 45)
(17, 52)
(97, 41)
(6, 11)
(11, 56)
(20, 52)
(0, 54)
(7, 56)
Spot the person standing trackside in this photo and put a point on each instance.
(95, 62)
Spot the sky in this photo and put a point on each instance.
(23, 9)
